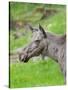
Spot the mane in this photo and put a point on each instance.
(60, 39)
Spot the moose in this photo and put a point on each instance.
(46, 44)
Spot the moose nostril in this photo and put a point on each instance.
(20, 57)
(23, 57)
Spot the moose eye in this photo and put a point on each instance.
(36, 29)
(33, 45)
(37, 41)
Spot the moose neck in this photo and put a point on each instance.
(52, 50)
(54, 45)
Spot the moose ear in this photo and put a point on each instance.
(30, 27)
(42, 30)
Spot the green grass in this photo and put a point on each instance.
(39, 73)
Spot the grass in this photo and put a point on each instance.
(41, 72)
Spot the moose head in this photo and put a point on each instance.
(36, 47)
(47, 44)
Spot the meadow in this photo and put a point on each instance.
(39, 72)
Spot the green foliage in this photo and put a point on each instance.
(19, 10)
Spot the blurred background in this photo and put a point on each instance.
(40, 72)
